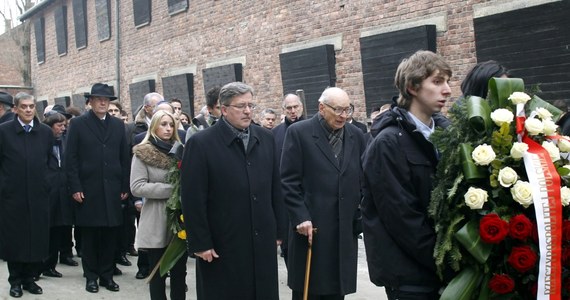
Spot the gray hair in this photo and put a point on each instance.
(22, 96)
(148, 97)
(267, 111)
(233, 89)
(290, 94)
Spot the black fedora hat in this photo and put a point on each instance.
(101, 90)
(6, 99)
(60, 109)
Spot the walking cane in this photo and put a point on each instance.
(308, 267)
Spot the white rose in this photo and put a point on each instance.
(519, 98)
(549, 127)
(533, 126)
(483, 155)
(543, 113)
(501, 115)
(565, 195)
(518, 150)
(553, 151)
(522, 193)
(475, 198)
(564, 144)
(507, 176)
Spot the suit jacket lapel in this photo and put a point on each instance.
(93, 126)
(322, 142)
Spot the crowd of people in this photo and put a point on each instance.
(293, 182)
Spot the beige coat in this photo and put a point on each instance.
(148, 180)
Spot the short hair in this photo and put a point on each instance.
(150, 96)
(162, 103)
(124, 113)
(187, 116)
(74, 111)
(212, 97)
(290, 94)
(230, 90)
(413, 70)
(53, 117)
(155, 122)
(476, 81)
(22, 96)
(175, 100)
(117, 104)
(267, 111)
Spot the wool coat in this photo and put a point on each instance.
(60, 201)
(149, 170)
(317, 188)
(232, 203)
(24, 203)
(98, 164)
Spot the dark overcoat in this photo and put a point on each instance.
(98, 164)
(60, 201)
(24, 203)
(317, 189)
(232, 203)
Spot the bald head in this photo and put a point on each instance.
(292, 107)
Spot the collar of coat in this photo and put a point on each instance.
(151, 156)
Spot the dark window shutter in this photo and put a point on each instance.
(181, 87)
(142, 12)
(103, 12)
(80, 21)
(39, 30)
(137, 92)
(219, 76)
(60, 16)
(175, 6)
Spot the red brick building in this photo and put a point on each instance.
(181, 48)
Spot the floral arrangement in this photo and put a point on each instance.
(500, 201)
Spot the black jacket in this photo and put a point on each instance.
(399, 237)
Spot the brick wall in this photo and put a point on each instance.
(12, 63)
(211, 31)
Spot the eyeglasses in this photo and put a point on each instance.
(339, 110)
(242, 106)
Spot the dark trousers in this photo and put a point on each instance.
(66, 243)
(56, 237)
(77, 238)
(299, 296)
(157, 284)
(142, 261)
(395, 294)
(98, 248)
(22, 272)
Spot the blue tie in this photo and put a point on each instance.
(27, 128)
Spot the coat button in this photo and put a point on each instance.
(256, 233)
(254, 198)
(249, 163)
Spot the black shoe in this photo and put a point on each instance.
(91, 286)
(133, 252)
(52, 273)
(68, 261)
(110, 285)
(33, 288)
(141, 274)
(117, 271)
(16, 291)
(36, 277)
(123, 261)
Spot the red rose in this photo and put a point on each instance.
(522, 258)
(566, 230)
(179, 164)
(501, 284)
(493, 229)
(520, 227)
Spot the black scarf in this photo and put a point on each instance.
(161, 145)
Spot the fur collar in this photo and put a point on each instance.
(152, 157)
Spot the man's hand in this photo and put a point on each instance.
(124, 196)
(306, 228)
(138, 206)
(78, 197)
(279, 242)
(207, 255)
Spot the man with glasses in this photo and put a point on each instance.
(231, 200)
(321, 176)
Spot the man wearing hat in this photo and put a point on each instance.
(6, 104)
(98, 170)
(25, 148)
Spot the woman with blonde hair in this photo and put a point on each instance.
(149, 170)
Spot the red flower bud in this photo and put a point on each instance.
(501, 284)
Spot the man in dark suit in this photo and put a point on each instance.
(232, 205)
(25, 147)
(98, 172)
(360, 126)
(321, 176)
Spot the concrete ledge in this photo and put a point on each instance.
(63, 94)
(500, 6)
(438, 19)
(227, 61)
(181, 70)
(150, 76)
(335, 40)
